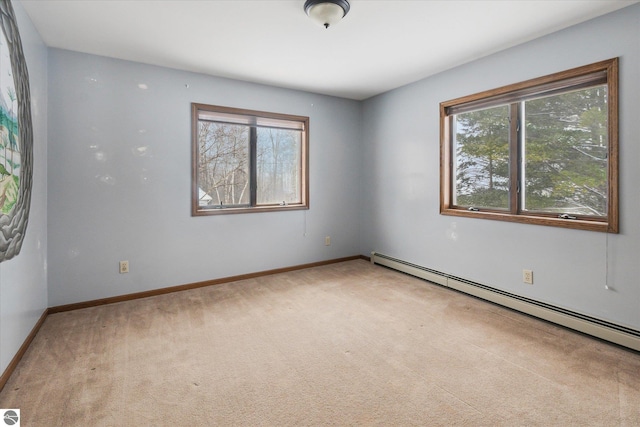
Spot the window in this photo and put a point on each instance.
(248, 161)
(544, 151)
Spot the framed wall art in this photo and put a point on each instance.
(16, 137)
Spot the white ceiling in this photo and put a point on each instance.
(378, 46)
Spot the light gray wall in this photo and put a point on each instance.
(23, 279)
(109, 201)
(401, 195)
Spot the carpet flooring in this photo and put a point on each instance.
(348, 344)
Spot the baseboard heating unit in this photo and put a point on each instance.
(608, 331)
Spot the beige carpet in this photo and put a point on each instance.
(344, 344)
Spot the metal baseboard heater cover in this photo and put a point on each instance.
(602, 329)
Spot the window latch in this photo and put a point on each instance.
(472, 209)
(566, 216)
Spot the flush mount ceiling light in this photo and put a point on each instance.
(326, 12)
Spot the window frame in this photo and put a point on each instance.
(252, 116)
(511, 95)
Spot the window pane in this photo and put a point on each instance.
(565, 153)
(278, 166)
(223, 164)
(481, 170)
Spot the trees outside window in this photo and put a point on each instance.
(248, 161)
(482, 158)
(542, 151)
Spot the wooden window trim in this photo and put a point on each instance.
(252, 116)
(607, 72)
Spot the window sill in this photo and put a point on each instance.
(578, 224)
(240, 210)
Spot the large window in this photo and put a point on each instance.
(248, 161)
(544, 151)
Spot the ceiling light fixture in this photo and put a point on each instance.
(326, 12)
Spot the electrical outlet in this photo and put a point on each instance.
(124, 267)
(527, 276)
(327, 241)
